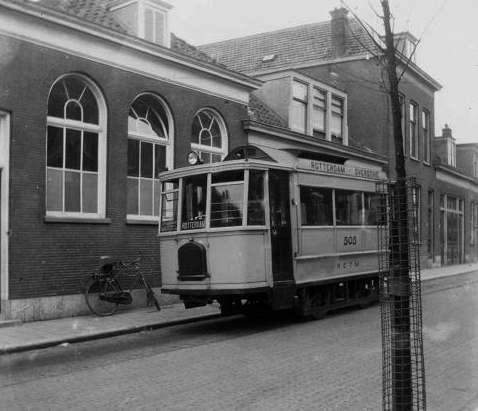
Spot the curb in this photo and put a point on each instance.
(106, 334)
(441, 283)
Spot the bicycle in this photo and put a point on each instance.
(103, 291)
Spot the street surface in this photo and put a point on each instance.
(236, 364)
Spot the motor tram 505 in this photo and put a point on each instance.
(253, 233)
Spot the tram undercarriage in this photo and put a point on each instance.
(312, 301)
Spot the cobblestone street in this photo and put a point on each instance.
(232, 364)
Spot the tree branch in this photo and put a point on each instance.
(409, 59)
(368, 30)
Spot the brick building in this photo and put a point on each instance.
(457, 175)
(325, 81)
(96, 98)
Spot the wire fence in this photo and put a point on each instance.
(400, 295)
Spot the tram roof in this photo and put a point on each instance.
(222, 166)
(263, 157)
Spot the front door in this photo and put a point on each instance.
(281, 242)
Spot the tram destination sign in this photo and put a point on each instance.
(339, 169)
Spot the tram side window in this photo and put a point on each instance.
(169, 206)
(316, 206)
(348, 207)
(375, 209)
(194, 203)
(227, 199)
(371, 203)
(255, 205)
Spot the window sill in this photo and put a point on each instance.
(134, 221)
(76, 220)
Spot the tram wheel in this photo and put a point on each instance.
(315, 303)
(230, 307)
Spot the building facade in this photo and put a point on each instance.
(301, 65)
(92, 108)
(457, 175)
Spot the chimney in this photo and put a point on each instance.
(446, 132)
(338, 27)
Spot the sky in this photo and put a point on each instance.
(448, 49)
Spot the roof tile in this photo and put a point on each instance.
(291, 46)
(97, 12)
(262, 113)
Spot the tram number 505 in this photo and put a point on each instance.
(350, 240)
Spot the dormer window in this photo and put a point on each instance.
(405, 44)
(154, 25)
(269, 57)
(146, 19)
(318, 110)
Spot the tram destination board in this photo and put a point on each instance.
(339, 169)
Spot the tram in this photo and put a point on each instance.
(270, 230)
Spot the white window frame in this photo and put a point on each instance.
(166, 142)
(323, 110)
(472, 223)
(4, 201)
(305, 103)
(403, 112)
(330, 93)
(413, 125)
(201, 148)
(425, 126)
(451, 152)
(101, 130)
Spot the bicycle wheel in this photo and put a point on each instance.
(96, 290)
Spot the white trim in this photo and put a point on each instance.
(168, 143)
(330, 93)
(101, 130)
(4, 211)
(224, 135)
(416, 123)
(69, 35)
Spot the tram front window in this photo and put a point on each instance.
(227, 199)
(255, 205)
(194, 203)
(169, 206)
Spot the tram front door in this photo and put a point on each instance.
(281, 243)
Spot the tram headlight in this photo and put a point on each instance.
(193, 158)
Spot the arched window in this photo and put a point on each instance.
(150, 151)
(76, 149)
(209, 136)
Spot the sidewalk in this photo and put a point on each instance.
(43, 334)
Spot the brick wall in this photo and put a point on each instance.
(48, 259)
